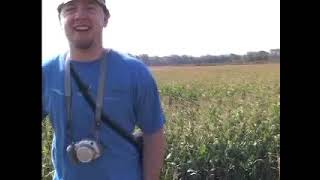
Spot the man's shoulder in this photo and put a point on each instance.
(132, 62)
(51, 62)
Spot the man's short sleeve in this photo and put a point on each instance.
(148, 110)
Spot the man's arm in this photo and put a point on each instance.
(153, 154)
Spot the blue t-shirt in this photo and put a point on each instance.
(131, 98)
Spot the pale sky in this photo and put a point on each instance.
(182, 27)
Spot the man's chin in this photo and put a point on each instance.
(82, 44)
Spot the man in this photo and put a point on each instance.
(130, 98)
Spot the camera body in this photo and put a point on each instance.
(84, 151)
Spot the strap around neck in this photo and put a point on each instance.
(99, 99)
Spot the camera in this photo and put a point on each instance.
(84, 151)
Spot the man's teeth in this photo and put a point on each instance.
(82, 28)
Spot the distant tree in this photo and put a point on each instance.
(251, 56)
(145, 59)
(274, 53)
(263, 55)
(235, 58)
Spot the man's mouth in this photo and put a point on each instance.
(81, 28)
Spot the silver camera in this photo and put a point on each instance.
(84, 151)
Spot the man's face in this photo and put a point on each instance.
(83, 22)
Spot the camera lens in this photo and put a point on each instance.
(84, 154)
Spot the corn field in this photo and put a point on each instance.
(223, 123)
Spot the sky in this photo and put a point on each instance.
(181, 27)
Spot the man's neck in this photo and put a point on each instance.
(85, 55)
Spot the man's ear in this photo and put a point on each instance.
(60, 23)
(105, 20)
(59, 17)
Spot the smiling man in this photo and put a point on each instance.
(123, 88)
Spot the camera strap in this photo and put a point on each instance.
(100, 95)
(106, 119)
(68, 101)
(99, 100)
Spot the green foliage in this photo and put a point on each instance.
(47, 135)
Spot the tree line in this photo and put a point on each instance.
(250, 57)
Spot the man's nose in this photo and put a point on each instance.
(81, 12)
